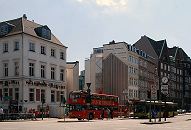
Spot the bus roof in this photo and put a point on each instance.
(98, 94)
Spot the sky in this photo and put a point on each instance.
(82, 25)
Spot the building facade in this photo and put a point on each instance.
(172, 63)
(32, 66)
(72, 69)
(93, 71)
(128, 55)
(82, 80)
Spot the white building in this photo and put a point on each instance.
(32, 66)
(72, 76)
(93, 70)
(87, 74)
(127, 54)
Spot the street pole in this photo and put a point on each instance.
(165, 110)
(150, 111)
(154, 111)
(64, 114)
(43, 101)
(42, 110)
(159, 97)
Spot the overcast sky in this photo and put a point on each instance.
(82, 25)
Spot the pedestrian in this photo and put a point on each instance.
(111, 113)
(108, 113)
(1, 111)
(102, 114)
(1, 114)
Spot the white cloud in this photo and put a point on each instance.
(111, 3)
(108, 5)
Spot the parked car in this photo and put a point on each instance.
(181, 111)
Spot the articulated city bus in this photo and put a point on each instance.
(142, 109)
(98, 108)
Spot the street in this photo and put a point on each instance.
(180, 122)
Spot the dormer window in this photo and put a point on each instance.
(46, 33)
(3, 30)
(43, 32)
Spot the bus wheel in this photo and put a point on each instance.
(91, 116)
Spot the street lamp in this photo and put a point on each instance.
(159, 92)
(43, 101)
(88, 97)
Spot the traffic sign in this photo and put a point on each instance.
(88, 84)
(164, 89)
(153, 93)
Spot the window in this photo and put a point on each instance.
(52, 73)
(168, 67)
(16, 68)
(52, 96)
(5, 65)
(5, 47)
(53, 52)
(17, 94)
(16, 46)
(46, 33)
(58, 96)
(31, 69)
(43, 95)
(165, 67)
(43, 50)
(62, 74)
(5, 91)
(3, 30)
(62, 96)
(37, 94)
(130, 93)
(62, 55)
(31, 94)
(11, 92)
(42, 71)
(161, 65)
(31, 47)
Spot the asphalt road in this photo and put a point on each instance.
(180, 122)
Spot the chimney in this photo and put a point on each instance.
(24, 16)
(112, 42)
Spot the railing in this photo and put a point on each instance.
(17, 116)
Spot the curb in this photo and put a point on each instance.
(152, 123)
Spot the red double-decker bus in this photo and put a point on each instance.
(101, 106)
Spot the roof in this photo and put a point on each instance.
(22, 25)
(71, 65)
(157, 45)
(173, 51)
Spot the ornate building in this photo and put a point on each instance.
(32, 66)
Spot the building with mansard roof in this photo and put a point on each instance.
(32, 66)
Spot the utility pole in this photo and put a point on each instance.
(88, 97)
(159, 92)
(42, 114)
